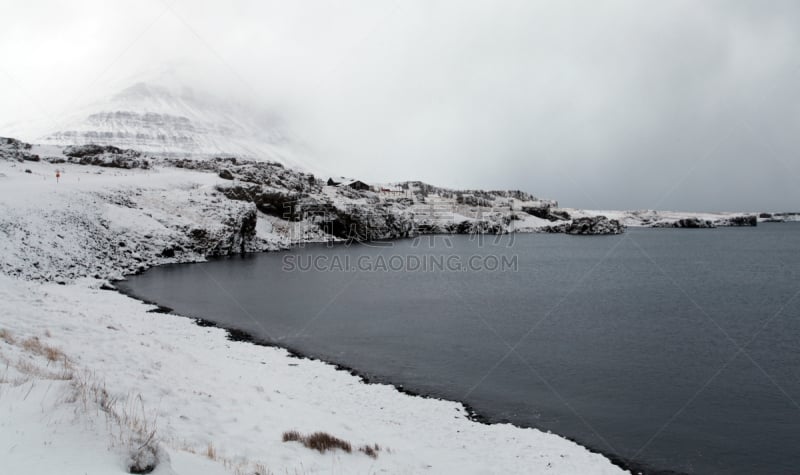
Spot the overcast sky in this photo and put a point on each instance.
(691, 105)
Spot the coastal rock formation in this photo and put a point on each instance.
(697, 222)
(747, 220)
(588, 226)
(778, 217)
(693, 223)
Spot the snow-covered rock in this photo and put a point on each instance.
(670, 219)
(13, 149)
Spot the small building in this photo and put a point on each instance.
(333, 183)
(358, 185)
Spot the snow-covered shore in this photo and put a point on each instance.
(87, 373)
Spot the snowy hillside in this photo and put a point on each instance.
(92, 381)
(171, 119)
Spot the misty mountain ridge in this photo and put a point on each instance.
(172, 119)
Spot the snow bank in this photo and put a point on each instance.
(205, 390)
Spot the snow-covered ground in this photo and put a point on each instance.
(91, 380)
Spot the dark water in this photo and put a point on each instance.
(676, 349)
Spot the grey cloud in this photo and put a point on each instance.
(622, 104)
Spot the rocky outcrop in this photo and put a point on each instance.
(268, 200)
(699, 223)
(745, 220)
(588, 226)
(16, 150)
(545, 211)
(693, 223)
(778, 217)
(365, 223)
(105, 156)
(362, 222)
(237, 230)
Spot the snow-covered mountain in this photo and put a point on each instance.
(175, 120)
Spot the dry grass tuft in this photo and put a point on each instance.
(260, 469)
(53, 354)
(34, 345)
(28, 365)
(322, 442)
(128, 422)
(292, 436)
(29, 368)
(370, 450)
(7, 337)
(211, 452)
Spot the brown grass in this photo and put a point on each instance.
(292, 436)
(7, 337)
(211, 452)
(34, 345)
(371, 450)
(52, 354)
(322, 442)
(27, 367)
(260, 469)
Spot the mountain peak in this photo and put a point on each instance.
(167, 117)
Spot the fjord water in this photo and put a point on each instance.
(677, 349)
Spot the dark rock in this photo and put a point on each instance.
(559, 214)
(268, 201)
(225, 174)
(105, 156)
(198, 234)
(547, 212)
(692, 223)
(89, 149)
(749, 220)
(589, 226)
(542, 212)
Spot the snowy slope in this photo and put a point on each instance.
(203, 390)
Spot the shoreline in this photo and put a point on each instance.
(238, 335)
(104, 224)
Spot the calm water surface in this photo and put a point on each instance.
(677, 349)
